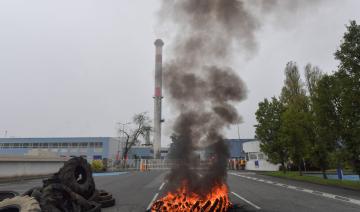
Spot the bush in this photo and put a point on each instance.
(97, 166)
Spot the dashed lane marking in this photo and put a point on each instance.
(318, 193)
(245, 200)
(161, 186)
(153, 199)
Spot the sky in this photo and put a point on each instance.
(77, 68)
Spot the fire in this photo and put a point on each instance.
(184, 200)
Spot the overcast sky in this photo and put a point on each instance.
(76, 68)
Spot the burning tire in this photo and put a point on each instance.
(20, 204)
(77, 175)
(7, 194)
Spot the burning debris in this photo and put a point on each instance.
(184, 200)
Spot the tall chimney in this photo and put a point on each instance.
(157, 98)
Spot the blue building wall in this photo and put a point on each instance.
(141, 152)
(235, 147)
(91, 147)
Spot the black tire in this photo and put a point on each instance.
(31, 190)
(56, 198)
(34, 192)
(77, 175)
(60, 198)
(20, 204)
(107, 203)
(103, 195)
(95, 207)
(8, 195)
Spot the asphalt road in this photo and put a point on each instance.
(134, 191)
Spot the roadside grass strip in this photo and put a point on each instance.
(318, 193)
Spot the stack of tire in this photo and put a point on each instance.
(71, 189)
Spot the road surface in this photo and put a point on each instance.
(134, 191)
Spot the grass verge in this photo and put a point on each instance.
(354, 185)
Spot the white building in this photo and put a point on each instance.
(257, 160)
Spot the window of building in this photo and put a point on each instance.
(74, 145)
(35, 145)
(16, 145)
(54, 145)
(92, 144)
(98, 144)
(64, 145)
(25, 145)
(44, 145)
(83, 145)
(252, 156)
(261, 156)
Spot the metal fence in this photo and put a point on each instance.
(140, 164)
(163, 164)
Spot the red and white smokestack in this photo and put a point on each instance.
(157, 98)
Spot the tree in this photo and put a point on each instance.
(313, 75)
(295, 133)
(293, 89)
(268, 116)
(296, 129)
(142, 125)
(348, 75)
(325, 107)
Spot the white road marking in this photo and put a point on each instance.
(318, 193)
(161, 186)
(245, 200)
(152, 201)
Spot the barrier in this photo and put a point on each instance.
(140, 164)
(28, 166)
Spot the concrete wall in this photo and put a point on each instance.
(28, 166)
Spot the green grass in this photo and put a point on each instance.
(355, 185)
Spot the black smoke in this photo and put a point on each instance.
(201, 85)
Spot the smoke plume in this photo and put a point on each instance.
(201, 86)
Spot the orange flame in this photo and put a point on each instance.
(184, 200)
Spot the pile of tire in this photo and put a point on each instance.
(71, 189)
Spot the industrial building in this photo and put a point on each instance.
(91, 148)
(87, 147)
(235, 147)
(257, 160)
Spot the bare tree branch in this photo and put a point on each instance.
(142, 122)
